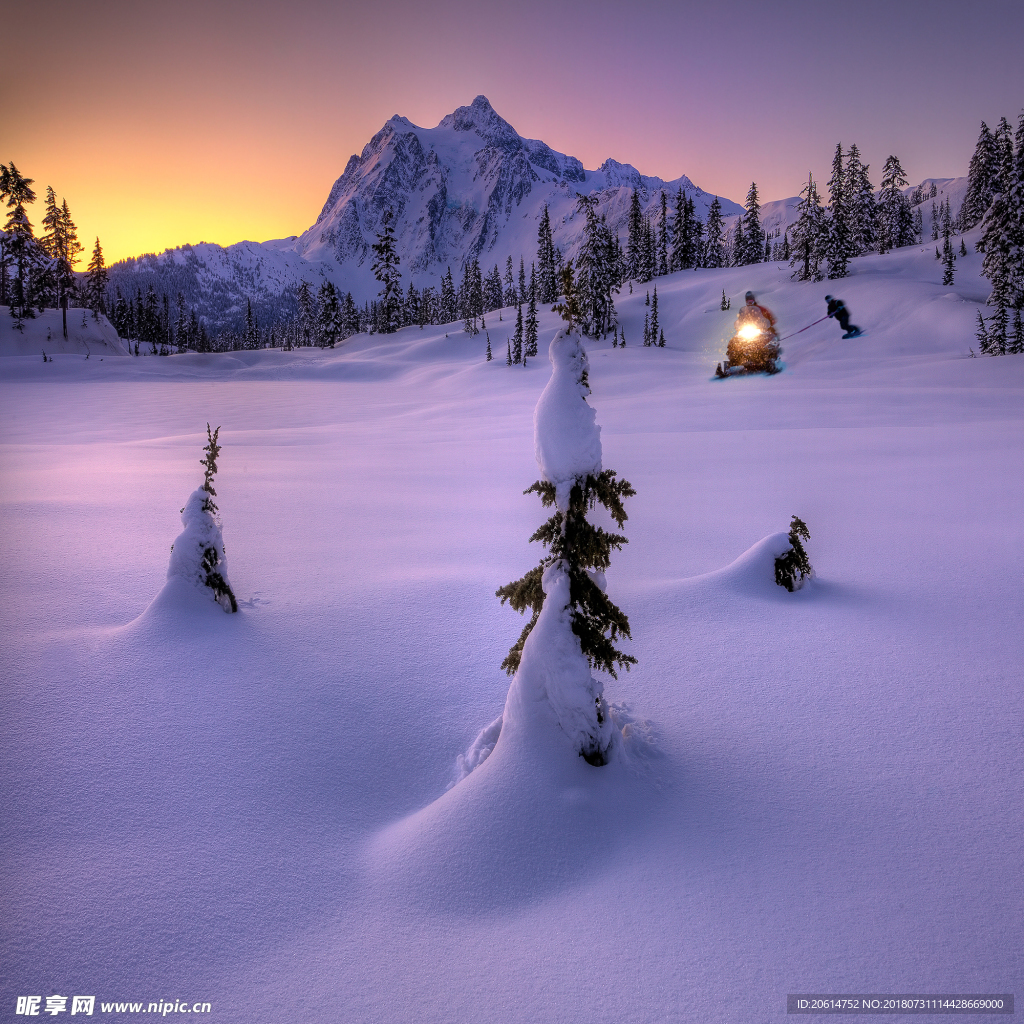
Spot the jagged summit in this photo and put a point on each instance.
(470, 187)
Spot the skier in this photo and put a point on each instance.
(837, 308)
(755, 345)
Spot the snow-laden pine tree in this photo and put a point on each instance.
(511, 297)
(714, 249)
(597, 271)
(750, 244)
(839, 247)
(1002, 228)
(574, 627)
(861, 192)
(449, 304)
(547, 281)
(634, 239)
(197, 554)
(981, 179)
(809, 235)
(662, 254)
(517, 337)
(23, 251)
(385, 270)
(530, 331)
(895, 221)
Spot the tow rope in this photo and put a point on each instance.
(802, 329)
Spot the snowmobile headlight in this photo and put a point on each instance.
(748, 332)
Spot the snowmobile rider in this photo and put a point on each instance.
(837, 308)
(759, 316)
(755, 345)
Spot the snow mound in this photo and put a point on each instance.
(567, 438)
(753, 573)
(191, 565)
(44, 332)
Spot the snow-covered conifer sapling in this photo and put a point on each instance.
(574, 626)
(197, 554)
(793, 568)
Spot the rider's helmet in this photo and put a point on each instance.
(750, 297)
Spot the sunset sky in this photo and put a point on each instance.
(170, 123)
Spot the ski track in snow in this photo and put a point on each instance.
(825, 789)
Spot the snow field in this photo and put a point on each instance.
(258, 809)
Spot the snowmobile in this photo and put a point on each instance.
(752, 349)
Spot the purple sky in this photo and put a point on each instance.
(167, 123)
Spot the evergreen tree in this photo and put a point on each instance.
(385, 270)
(663, 238)
(647, 330)
(752, 237)
(569, 308)
(567, 587)
(449, 305)
(546, 260)
(948, 260)
(96, 280)
(522, 279)
(1002, 228)
(597, 276)
(492, 291)
(739, 244)
(677, 261)
(530, 336)
(517, 337)
(306, 313)
(635, 241)
(895, 221)
(511, 298)
(23, 250)
(197, 554)
(330, 323)
(793, 567)
(508, 359)
(725, 301)
(998, 336)
(981, 334)
(839, 241)
(1016, 346)
(861, 196)
(714, 253)
(981, 180)
(489, 354)
(808, 235)
(655, 327)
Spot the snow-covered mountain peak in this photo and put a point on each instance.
(471, 187)
(617, 174)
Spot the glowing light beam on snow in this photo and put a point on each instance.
(748, 332)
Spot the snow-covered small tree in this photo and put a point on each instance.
(197, 554)
(793, 567)
(574, 626)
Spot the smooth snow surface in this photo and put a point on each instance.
(817, 791)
